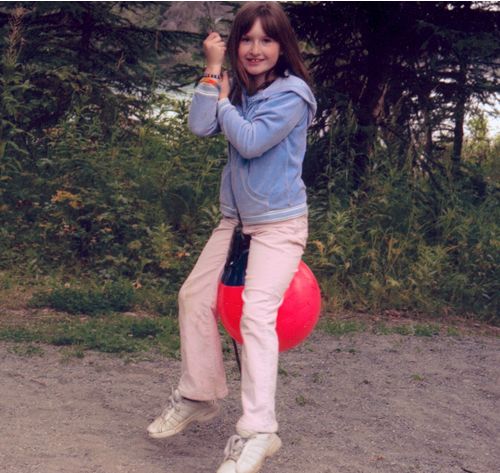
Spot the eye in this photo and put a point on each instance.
(245, 39)
(267, 40)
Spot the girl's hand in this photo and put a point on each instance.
(224, 86)
(214, 49)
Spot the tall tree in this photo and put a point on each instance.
(90, 49)
(426, 59)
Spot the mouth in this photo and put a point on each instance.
(254, 61)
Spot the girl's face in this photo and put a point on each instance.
(258, 53)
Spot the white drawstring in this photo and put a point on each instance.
(234, 448)
(173, 402)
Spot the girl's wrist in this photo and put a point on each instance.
(211, 81)
(215, 69)
(212, 76)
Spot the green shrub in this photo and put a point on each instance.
(18, 334)
(118, 334)
(115, 297)
(426, 330)
(403, 245)
(137, 200)
(145, 328)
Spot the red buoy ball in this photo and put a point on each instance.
(297, 316)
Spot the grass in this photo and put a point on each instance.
(426, 330)
(423, 327)
(402, 329)
(83, 293)
(71, 353)
(318, 378)
(452, 332)
(114, 297)
(115, 333)
(83, 313)
(20, 334)
(301, 400)
(27, 350)
(339, 327)
(131, 335)
(381, 328)
(80, 314)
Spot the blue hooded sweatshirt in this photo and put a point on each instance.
(267, 136)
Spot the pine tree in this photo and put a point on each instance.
(88, 50)
(405, 70)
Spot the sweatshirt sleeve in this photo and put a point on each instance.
(202, 119)
(275, 119)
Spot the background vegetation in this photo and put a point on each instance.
(103, 186)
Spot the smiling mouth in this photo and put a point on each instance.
(254, 61)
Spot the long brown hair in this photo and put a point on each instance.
(277, 26)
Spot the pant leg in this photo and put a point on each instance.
(202, 370)
(275, 253)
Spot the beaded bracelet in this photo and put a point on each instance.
(212, 76)
(208, 80)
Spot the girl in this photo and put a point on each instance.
(264, 116)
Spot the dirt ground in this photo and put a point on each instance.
(357, 403)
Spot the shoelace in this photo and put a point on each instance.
(173, 402)
(234, 448)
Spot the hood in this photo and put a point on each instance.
(290, 83)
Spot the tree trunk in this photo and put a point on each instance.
(84, 47)
(458, 137)
(428, 148)
(370, 108)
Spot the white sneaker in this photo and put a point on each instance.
(179, 413)
(247, 455)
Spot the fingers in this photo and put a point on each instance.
(217, 42)
(214, 48)
(213, 35)
(214, 39)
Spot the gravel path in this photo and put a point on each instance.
(352, 404)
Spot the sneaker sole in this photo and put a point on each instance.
(200, 417)
(273, 448)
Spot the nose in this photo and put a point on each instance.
(255, 48)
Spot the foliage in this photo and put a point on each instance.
(110, 334)
(118, 204)
(480, 151)
(117, 297)
(404, 245)
(103, 180)
(403, 70)
(72, 48)
(137, 204)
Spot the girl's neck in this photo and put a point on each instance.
(264, 81)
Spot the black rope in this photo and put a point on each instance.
(238, 229)
(236, 354)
